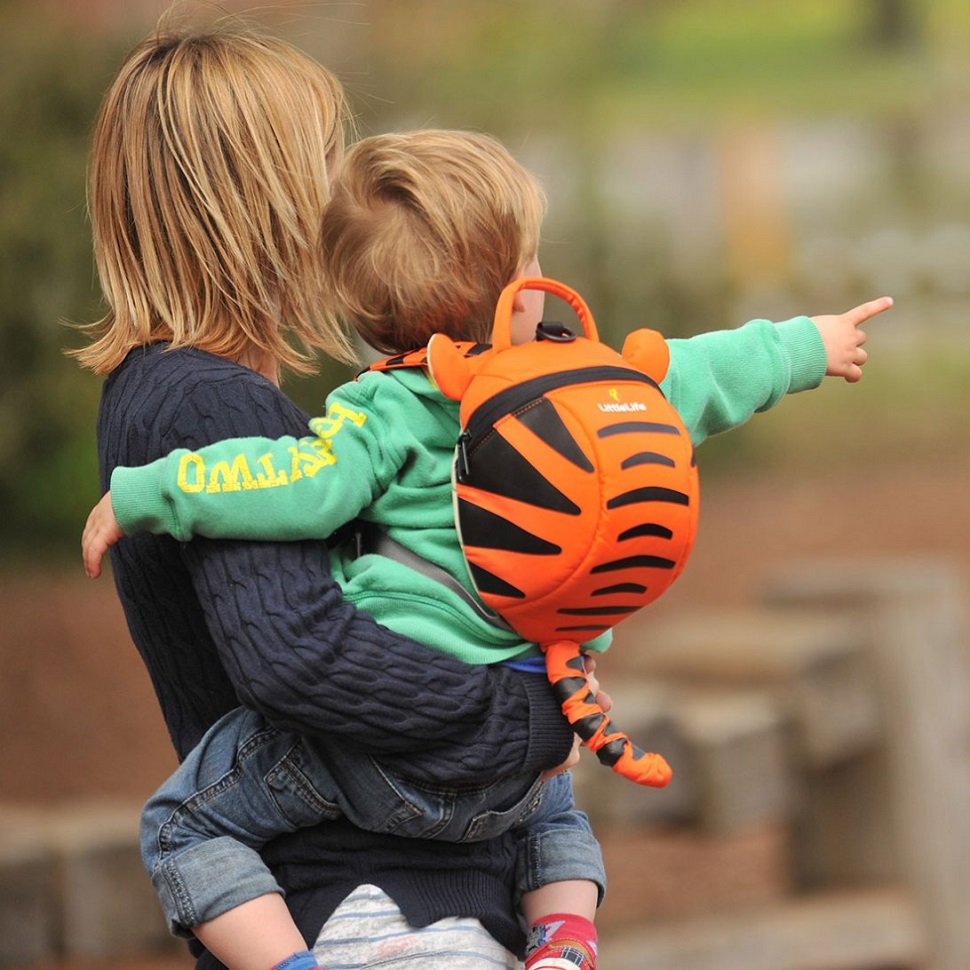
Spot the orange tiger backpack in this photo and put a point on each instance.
(575, 489)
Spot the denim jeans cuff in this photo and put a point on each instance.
(209, 879)
(557, 855)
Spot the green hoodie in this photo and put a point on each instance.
(383, 453)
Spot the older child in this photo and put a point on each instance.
(209, 171)
(422, 233)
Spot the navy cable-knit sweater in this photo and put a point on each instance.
(220, 622)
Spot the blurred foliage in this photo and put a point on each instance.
(586, 71)
(574, 68)
(52, 81)
(51, 84)
(913, 414)
(589, 66)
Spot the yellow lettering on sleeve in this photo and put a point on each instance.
(337, 414)
(233, 475)
(191, 473)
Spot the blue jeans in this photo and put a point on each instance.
(247, 782)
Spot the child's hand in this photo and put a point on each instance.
(602, 698)
(843, 338)
(100, 532)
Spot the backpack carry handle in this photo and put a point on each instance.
(502, 329)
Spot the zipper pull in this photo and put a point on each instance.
(463, 465)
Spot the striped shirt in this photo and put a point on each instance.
(368, 930)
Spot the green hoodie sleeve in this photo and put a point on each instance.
(718, 380)
(262, 488)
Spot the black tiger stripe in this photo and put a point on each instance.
(645, 530)
(489, 584)
(544, 421)
(486, 530)
(637, 427)
(634, 562)
(647, 458)
(500, 469)
(635, 588)
(587, 726)
(576, 662)
(611, 752)
(522, 394)
(651, 493)
(568, 686)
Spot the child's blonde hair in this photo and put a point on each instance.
(423, 231)
(210, 170)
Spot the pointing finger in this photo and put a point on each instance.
(866, 311)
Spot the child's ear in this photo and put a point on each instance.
(449, 367)
(518, 300)
(648, 352)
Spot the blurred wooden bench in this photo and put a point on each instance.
(834, 720)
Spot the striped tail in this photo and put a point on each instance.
(567, 674)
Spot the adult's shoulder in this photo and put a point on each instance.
(189, 397)
(185, 371)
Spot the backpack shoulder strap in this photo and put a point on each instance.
(371, 538)
(419, 357)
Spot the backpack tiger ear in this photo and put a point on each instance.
(648, 352)
(450, 368)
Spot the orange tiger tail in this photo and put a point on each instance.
(567, 674)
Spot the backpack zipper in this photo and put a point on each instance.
(513, 399)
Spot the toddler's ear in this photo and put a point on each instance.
(450, 368)
(648, 352)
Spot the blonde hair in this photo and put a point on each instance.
(423, 231)
(209, 173)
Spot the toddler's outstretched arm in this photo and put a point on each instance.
(100, 531)
(843, 338)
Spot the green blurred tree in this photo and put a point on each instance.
(895, 24)
(51, 85)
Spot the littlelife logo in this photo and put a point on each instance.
(616, 407)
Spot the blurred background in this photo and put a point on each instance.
(707, 162)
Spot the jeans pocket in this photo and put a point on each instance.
(298, 800)
(505, 815)
(409, 808)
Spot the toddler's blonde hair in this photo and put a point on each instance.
(424, 230)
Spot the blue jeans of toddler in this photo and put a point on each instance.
(246, 783)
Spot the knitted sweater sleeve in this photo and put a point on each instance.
(308, 661)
